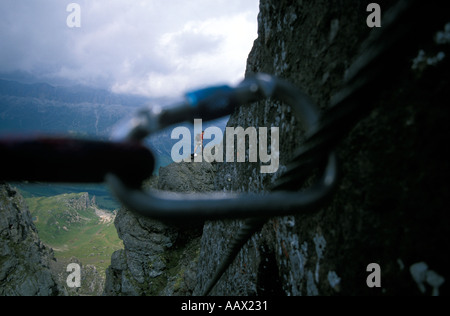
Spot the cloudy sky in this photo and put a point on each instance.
(149, 47)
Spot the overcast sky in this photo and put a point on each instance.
(148, 47)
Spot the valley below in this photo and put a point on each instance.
(75, 227)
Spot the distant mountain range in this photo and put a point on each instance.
(74, 95)
(78, 111)
(41, 108)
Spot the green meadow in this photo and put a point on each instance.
(76, 228)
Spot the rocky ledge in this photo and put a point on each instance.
(160, 259)
(24, 260)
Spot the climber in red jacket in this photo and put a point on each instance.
(199, 143)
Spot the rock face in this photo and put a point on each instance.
(81, 203)
(24, 259)
(92, 283)
(187, 177)
(159, 259)
(389, 207)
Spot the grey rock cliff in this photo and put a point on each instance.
(187, 177)
(92, 283)
(389, 207)
(159, 259)
(24, 260)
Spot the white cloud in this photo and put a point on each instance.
(153, 47)
(201, 53)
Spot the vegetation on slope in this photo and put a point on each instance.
(73, 226)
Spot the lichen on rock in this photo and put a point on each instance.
(24, 260)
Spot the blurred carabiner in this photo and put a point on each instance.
(212, 103)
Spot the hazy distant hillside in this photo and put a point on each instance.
(78, 110)
(81, 111)
(74, 94)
